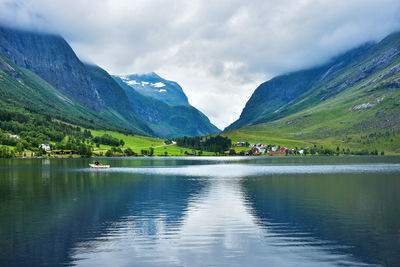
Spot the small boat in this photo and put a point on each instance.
(99, 166)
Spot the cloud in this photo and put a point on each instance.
(219, 51)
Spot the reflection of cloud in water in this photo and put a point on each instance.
(241, 170)
(218, 229)
(46, 170)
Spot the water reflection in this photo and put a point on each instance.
(219, 227)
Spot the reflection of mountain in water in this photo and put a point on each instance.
(356, 212)
(218, 229)
(74, 207)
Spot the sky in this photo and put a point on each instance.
(218, 51)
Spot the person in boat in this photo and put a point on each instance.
(96, 162)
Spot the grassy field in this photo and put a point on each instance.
(138, 143)
(132, 141)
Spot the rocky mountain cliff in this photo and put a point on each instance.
(51, 58)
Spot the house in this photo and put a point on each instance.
(13, 136)
(240, 144)
(274, 148)
(258, 150)
(283, 148)
(45, 147)
(259, 145)
(301, 151)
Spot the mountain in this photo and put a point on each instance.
(56, 66)
(274, 95)
(165, 118)
(24, 95)
(87, 95)
(356, 93)
(156, 87)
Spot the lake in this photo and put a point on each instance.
(204, 211)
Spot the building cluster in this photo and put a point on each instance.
(259, 149)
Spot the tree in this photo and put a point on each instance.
(85, 150)
(128, 151)
(19, 148)
(109, 153)
(151, 151)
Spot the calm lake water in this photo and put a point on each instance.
(222, 211)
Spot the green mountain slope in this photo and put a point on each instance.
(23, 92)
(357, 107)
(53, 60)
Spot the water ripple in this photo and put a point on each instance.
(242, 170)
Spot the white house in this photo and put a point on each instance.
(274, 148)
(258, 150)
(45, 147)
(13, 136)
(301, 151)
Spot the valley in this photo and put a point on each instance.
(350, 105)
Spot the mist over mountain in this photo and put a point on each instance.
(356, 93)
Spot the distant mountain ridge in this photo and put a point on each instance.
(54, 67)
(152, 85)
(166, 119)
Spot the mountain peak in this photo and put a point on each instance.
(152, 85)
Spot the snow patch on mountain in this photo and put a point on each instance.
(158, 84)
(133, 82)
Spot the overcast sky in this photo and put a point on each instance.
(219, 51)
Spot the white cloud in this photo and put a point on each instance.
(219, 51)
